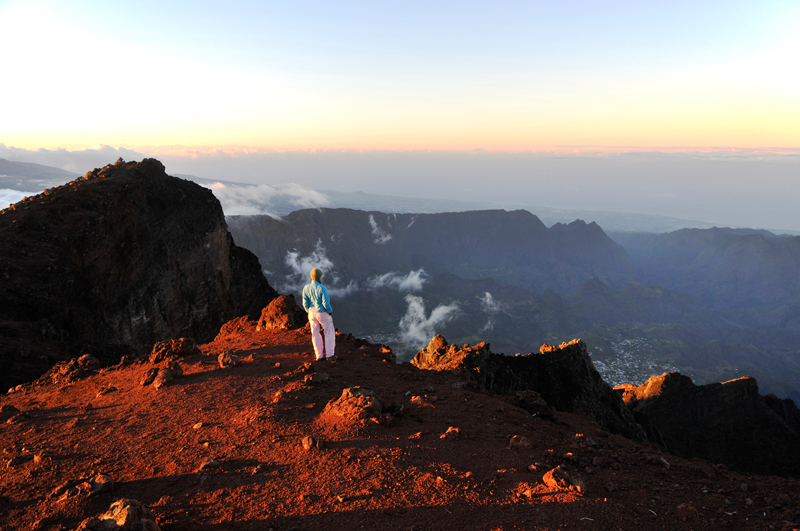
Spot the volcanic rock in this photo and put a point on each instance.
(282, 313)
(167, 373)
(237, 327)
(564, 376)
(558, 478)
(729, 422)
(354, 404)
(113, 262)
(173, 347)
(226, 360)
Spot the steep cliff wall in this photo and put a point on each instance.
(729, 423)
(113, 262)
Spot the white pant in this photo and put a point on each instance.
(325, 321)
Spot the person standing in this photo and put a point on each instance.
(317, 303)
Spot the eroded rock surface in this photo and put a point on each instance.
(564, 376)
(114, 262)
(728, 423)
(282, 313)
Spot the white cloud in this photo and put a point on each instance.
(9, 197)
(413, 281)
(491, 307)
(380, 236)
(242, 200)
(300, 273)
(417, 329)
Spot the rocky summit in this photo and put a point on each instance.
(113, 262)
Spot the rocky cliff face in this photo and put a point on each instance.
(564, 377)
(729, 423)
(113, 262)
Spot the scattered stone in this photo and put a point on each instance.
(167, 373)
(61, 489)
(415, 435)
(277, 365)
(341, 499)
(87, 407)
(69, 493)
(226, 360)
(131, 514)
(316, 378)
(173, 348)
(452, 431)
(149, 376)
(105, 390)
(355, 403)
(19, 417)
(102, 483)
(558, 478)
(394, 409)
(282, 313)
(210, 463)
(89, 362)
(18, 460)
(197, 426)
(311, 443)
(520, 442)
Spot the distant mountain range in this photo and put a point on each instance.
(243, 198)
(29, 177)
(715, 304)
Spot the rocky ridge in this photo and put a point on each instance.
(564, 376)
(728, 422)
(113, 262)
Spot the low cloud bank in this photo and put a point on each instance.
(416, 328)
(9, 197)
(276, 201)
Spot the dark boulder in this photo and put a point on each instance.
(564, 376)
(729, 423)
(114, 262)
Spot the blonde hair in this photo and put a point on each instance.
(316, 274)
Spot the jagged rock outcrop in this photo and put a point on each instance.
(729, 423)
(114, 262)
(564, 376)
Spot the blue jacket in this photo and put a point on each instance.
(316, 298)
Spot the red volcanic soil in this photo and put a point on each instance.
(370, 474)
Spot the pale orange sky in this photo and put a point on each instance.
(424, 75)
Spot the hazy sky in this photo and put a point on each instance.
(406, 92)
